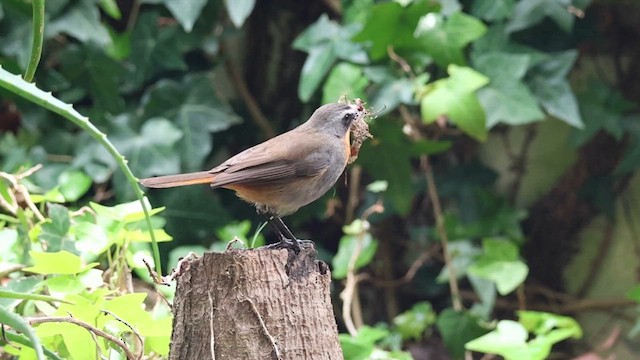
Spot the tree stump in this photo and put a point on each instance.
(254, 304)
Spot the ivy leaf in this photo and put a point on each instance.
(456, 328)
(389, 158)
(509, 339)
(344, 79)
(61, 262)
(492, 10)
(55, 230)
(346, 247)
(550, 86)
(500, 264)
(194, 107)
(454, 98)
(530, 12)
(325, 41)
(153, 50)
(151, 151)
(391, 24)
(81, 21)
(74, 184)
(412, 323)
(185, 11)
(444, 39)
(506, 99)
(239, 10)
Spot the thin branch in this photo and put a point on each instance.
(409, 275)
(92, 329)
(350, 288)
(404, 65)
(354, 186)
(442, 232)
(141, 341)
(519, 161)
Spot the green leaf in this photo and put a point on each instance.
(634, 293)
(74, 184)
(61, 262)
(152, 151)
(361, 346)
(186, 11)
(153, 49)
(90, 68)
(508, 340)
(347, 246)
(412, 323)
(543, 323)
(500, 264)
(110, 7)
(195, 108)
(325, 41)
(344, 79)
(492, 10)
(454, 98)
(81, 21)
(530, 12)
(391, 93)
(19, 324)
(239, 10)
(457, 328)
(549, 84)
(444, 39)
(389, 158)
(55, 230)
(390, 24)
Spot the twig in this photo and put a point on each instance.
(133, 15)
(404, 65)
(442, 232)
(249, 100)
(519, 161)
(141, 341)
(212, 339)
(264, 328)
(409, 275)
(347, 295)
(92, 329)
(11, 269)
(439, 217)
(354, 185)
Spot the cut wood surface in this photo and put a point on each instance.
(254, 304)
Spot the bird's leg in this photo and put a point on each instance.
(287, 239)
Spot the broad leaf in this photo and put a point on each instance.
(239, 10)
(62, 262)
(186, 11)
(194, 107)
(344, 79)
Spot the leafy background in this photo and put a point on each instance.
(493, 212)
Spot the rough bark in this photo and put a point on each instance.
(254, 304)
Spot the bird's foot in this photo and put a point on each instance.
(294, 244)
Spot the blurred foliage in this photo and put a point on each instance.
(442, 76)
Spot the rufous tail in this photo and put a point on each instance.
(201, 177)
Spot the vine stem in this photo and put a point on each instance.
(444, 238)
(31, 92)
(38, 36)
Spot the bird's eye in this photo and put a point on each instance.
(347, 117)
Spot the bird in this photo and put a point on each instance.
(286, 172)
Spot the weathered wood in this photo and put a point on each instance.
(254, 304)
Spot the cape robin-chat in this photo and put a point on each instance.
(286, 172)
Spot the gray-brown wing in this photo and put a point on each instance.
(271, 169)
